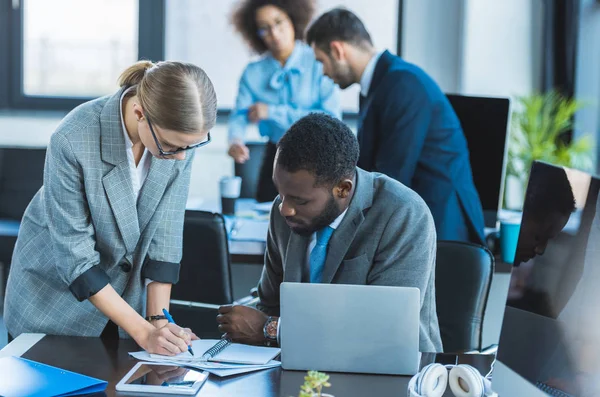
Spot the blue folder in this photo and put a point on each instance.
(21, 377)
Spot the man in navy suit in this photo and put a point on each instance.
(407, 128)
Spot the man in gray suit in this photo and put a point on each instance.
(335, 223)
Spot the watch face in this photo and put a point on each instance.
(272, 328)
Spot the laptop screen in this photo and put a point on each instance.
(551, 330)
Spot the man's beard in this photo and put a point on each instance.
(343, 76)
(331, 211)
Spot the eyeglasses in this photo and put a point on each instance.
(181, 149)
(269, 29)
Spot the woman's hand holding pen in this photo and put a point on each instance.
(168, 340)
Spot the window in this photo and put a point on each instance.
(80, 56)
(64, 52)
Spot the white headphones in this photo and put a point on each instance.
(464, 380)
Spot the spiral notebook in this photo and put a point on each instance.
(227, 352)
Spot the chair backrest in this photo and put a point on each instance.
(463, 277)
(205, 274)
(485, 122)
(250, 170)
(21, 176)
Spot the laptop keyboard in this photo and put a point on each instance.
(551, 390)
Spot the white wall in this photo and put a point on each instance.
(477, 47)
(501, 51)
(432, 39)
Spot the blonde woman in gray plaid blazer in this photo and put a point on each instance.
(101, 241)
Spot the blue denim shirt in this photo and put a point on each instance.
(291, 92)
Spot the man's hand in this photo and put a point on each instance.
(242, 324)
(239, 152)
(257, 112)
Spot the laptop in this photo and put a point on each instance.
(350, 328)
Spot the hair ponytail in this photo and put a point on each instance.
(177, 96)
(134, 74)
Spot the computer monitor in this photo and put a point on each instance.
(485, 122)
(550, 337)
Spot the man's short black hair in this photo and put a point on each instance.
(322, 145)
(339, 24)
(549, 191)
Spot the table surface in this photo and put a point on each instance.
(109, 360)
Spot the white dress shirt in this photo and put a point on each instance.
(367, 76)
(138, 172)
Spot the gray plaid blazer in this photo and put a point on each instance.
(84, 229)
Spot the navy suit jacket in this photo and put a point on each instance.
(409, 131)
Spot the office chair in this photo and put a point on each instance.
(21, 176)
(250, 170)
(205, 275)
(463, 278)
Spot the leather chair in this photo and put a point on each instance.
(463, 277)
(205, 275)
(250, 170)
(21, 176)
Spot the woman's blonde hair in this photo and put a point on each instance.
(177, 96)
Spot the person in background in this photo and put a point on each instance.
(102, 238)
(407, 127)
(285, 84)
(335, 223)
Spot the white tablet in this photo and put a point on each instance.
(147, 377)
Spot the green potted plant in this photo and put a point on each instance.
(538, 133)
(314, 382)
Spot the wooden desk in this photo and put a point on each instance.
(109, 360)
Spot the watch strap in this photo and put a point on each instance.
(156, 317)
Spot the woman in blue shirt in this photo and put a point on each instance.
(286, 83)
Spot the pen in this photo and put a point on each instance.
(170, 319)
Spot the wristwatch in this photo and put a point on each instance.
(157, 317)
(270, 330)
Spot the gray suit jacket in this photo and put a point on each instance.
(387, 237)
(84, 229)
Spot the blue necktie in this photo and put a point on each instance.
(319, 254)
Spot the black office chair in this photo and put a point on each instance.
(205, 275)
(250, 170)
(463, 277)
(21, 176)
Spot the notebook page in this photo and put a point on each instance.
(234, 353)
(246, 354)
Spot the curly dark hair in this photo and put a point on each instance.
(243, 18)
(322, 145)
